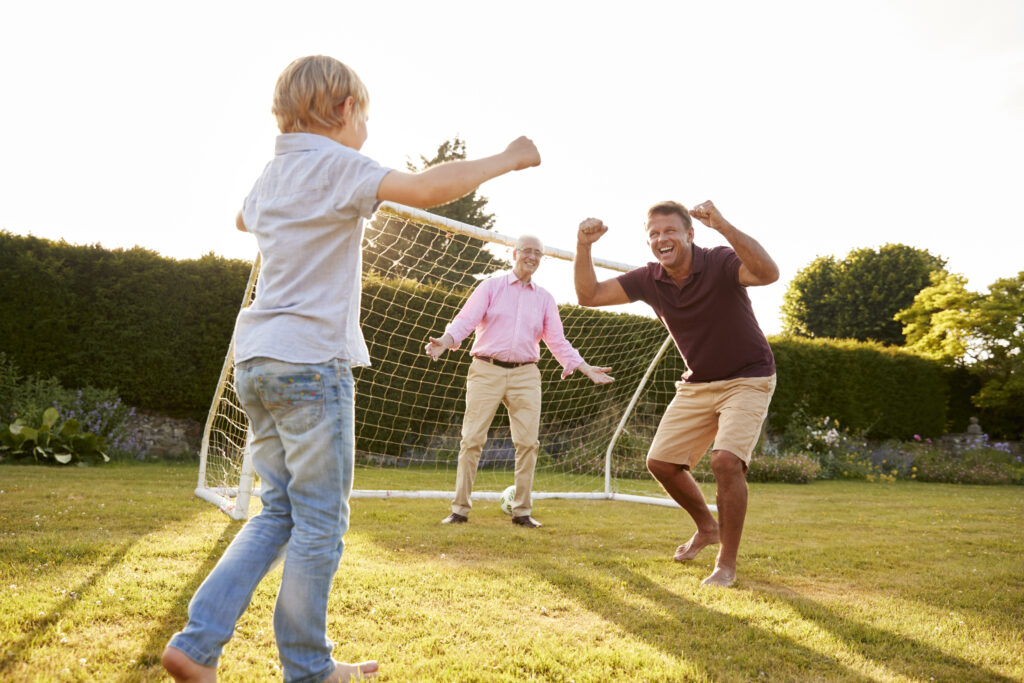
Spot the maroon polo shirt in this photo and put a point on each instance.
(709, 316)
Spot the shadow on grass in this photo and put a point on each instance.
(689, 631)
(13, 652)
(758, 648)
(174, 619)
(896, 652)
(94, 573)
(893, 651)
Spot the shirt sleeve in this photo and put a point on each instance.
(633, 283)
(249, 203)
(359, 178)
(729, 263)
(472, 313)
(554, 337)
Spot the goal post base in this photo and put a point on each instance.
(536, 495)
(226, 503)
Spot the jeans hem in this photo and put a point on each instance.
(192, 653)
(316, 678)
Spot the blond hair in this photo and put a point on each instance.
(309, 91)
(667, 208)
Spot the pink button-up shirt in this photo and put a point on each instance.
(510, 319)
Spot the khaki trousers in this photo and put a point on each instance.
(487, 386)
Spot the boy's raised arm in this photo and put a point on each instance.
(453, 179)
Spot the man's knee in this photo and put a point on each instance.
(726, 465)
(470, 452)
(525, 446)
(662, 470)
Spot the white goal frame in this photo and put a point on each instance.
(234, 501)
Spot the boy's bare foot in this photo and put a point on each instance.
(183, 669)
(343, 673)
(722, 578)
(697, 542)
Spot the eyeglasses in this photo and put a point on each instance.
(531, 252)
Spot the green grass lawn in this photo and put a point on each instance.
(838, 581)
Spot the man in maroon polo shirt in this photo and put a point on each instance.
(700, 296)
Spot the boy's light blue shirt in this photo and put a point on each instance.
(307, 211)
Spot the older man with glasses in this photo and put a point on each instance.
(510, 314)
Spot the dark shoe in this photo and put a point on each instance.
(455, 518)
(527, 521)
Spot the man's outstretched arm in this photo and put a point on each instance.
(590, 292)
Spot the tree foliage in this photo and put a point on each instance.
(998, 325)
(391, 248)
(937, 324)
(983, 333)
(857, 297)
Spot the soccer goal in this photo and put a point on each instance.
(418, 269)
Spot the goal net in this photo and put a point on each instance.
(418, 270)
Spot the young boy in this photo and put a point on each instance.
(295, 347)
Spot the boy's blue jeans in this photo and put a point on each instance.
(303, 447)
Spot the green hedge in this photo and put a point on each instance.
(156, 329)
(885, 390)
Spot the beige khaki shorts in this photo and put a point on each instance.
(728, 414)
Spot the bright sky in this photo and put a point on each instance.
(817, 127)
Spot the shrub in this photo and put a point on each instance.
(51, 443)
(798, 468)
(26, 402)
(840, 451)
(981, 465)
(104, 413)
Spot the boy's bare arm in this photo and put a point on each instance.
(448, 181)
(239, 223)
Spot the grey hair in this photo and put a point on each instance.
(523, 238)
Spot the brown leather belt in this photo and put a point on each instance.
(502, 363)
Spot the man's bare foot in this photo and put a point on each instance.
(697, 542)
(722, 578)
(183, 669)
(343, 673)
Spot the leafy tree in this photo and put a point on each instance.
(397, 249)
(982, 333)
(808, 306)
(998, 325)
(938, 324)
(856, 298)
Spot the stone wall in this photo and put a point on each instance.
(166, 437)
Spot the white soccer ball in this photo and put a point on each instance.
(507, 496)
